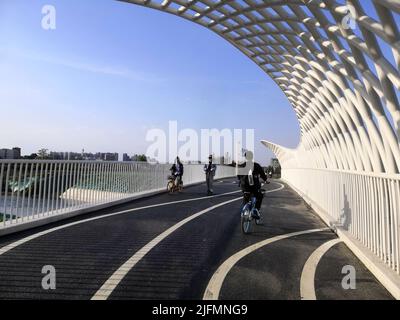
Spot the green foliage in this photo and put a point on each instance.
(139, 158)
(43, 154)
(7, 217)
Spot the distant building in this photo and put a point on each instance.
(83, 156)
(126, 158)
(58, 156)
(3, 153)
(14, 153)
(106, 156)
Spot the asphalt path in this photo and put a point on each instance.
(186, 246)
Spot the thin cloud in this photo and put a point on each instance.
(93, 68)
(107, 70)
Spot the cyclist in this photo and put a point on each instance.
(249, 180)
(172, 177)
(179, 171)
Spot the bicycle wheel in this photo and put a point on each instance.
(170, 187)
(245, 225)
(246, 219)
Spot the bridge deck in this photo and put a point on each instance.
(87, 251)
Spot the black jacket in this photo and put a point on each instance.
(257, 173)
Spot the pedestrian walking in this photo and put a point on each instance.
(210, 170)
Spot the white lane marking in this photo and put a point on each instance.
(214, 286)
(307, 281)
(42, 233)
(109, 286)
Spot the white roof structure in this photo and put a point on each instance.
(332, 62)
(339, 66)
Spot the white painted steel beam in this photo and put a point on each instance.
(343, 84)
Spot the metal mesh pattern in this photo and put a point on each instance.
(338, 67)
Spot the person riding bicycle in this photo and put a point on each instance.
(249, 177)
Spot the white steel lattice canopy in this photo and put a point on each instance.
(340, 75)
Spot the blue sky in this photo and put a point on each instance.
(110, 72)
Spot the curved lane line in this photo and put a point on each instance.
(109, 286)
(214, 286)
(42, 233)
(307, 281)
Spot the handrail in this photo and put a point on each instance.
(361, 173)
(367, 206)
(34, 189)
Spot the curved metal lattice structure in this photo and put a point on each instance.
(339, 68)
(342, 85)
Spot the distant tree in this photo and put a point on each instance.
(140, 158)
(43, 154)
(32, 156)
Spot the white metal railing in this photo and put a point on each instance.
(32, 190)
(365, 205)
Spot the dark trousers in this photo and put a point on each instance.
(258, 194)
(210, 181)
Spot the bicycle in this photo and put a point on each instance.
(249, 211)
(172, 186)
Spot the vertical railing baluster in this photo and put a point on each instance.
(12, 193)
(396, 201)
(6, 193)
(84, 183)
(31, 181)
(392, 226)
(113, 180)
(62, 187)
(18, 190)
(24, 192)
(59, 166)
(46, 167)
(3, 214)
(53, 191)
(48, 189)
(97, 187)
(110, 180)
(35, 192)
(77, 185)
(67, 187)
(119, 180)
(91, 184)
(74, 184)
